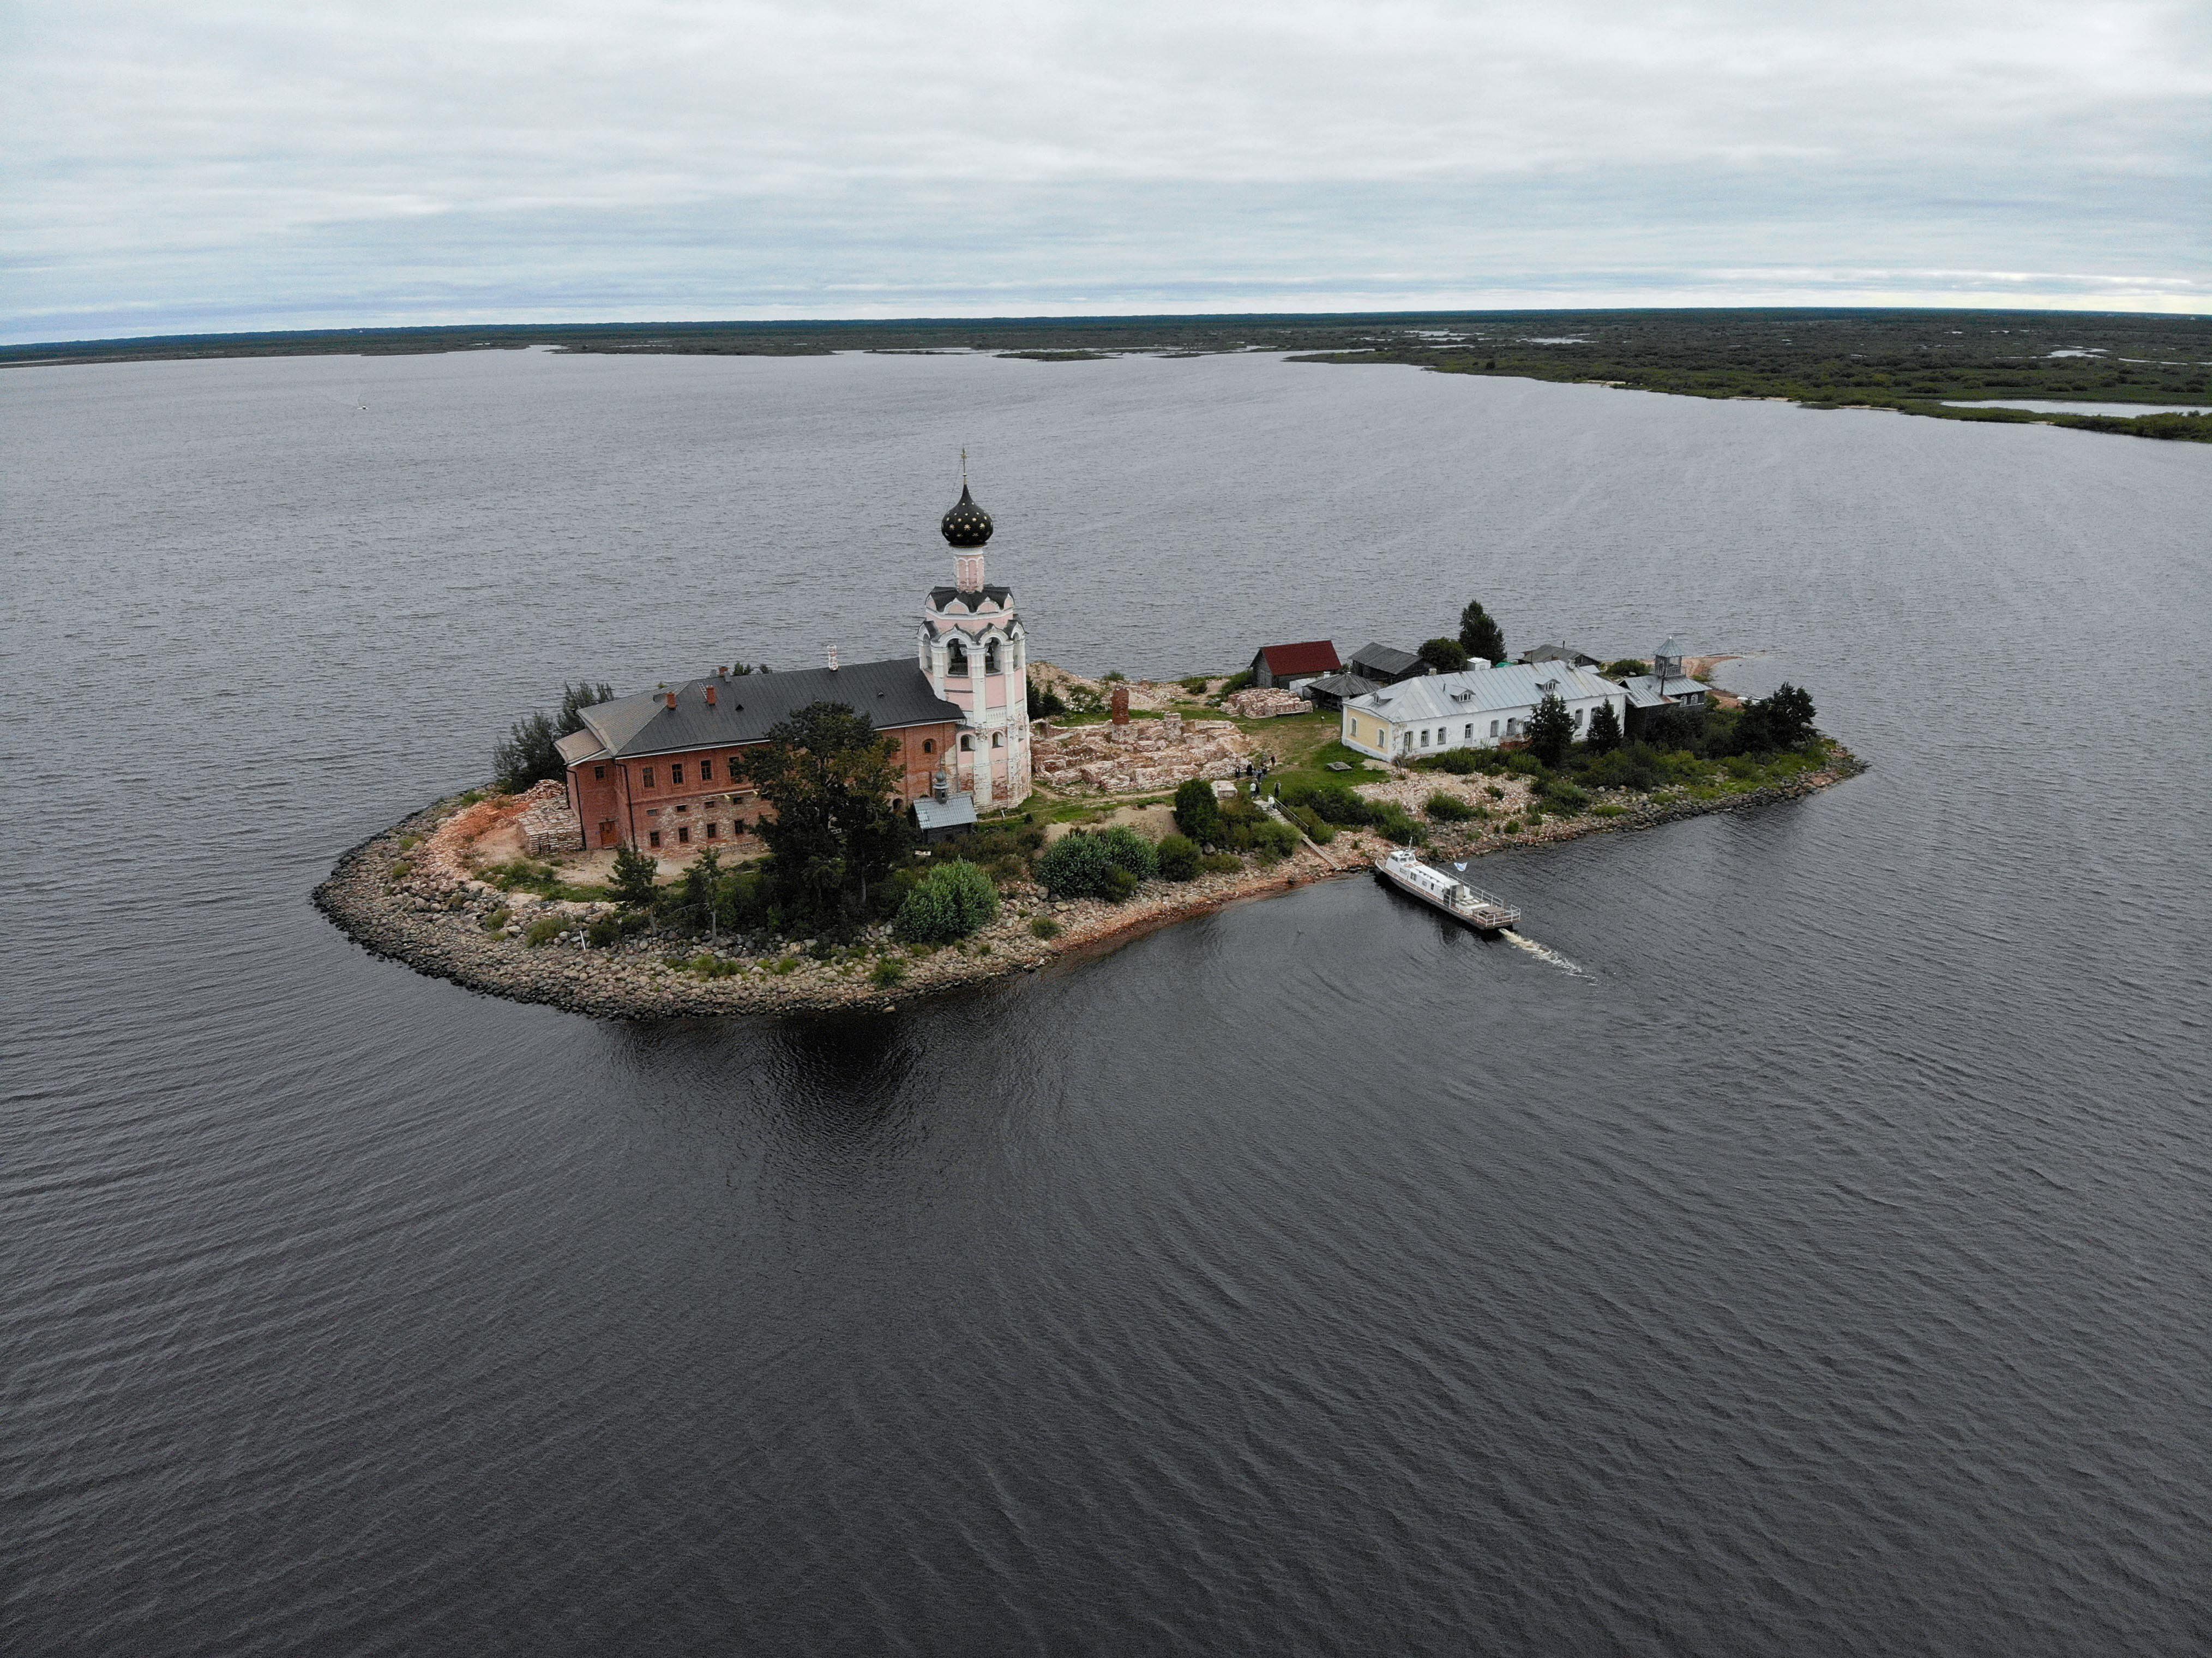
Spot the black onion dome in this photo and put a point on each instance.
(967, 525)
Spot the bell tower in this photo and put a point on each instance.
(973, 647)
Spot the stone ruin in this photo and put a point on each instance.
(1143, 755)
(1265, 703)
(549, 827)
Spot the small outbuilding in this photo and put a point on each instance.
(941, 820)
(1386, 664)
(1288, 666)
(1333, 690)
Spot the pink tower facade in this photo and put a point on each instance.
(972, 646)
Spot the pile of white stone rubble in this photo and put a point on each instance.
(548, 826)
(1265, 703)
(1143, 755)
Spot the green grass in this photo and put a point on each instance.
(528, 875)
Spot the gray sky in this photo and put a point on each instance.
(229, 165)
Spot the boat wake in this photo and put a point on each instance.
(1543, 953)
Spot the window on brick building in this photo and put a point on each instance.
(714, 831)
(676, 775)
(599, 774)
(706, 771)
(684, 836)
(654, 836)
(929, 745)
(648, 777)
(997, 740)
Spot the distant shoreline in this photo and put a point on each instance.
(1933, 364)
(434, 923)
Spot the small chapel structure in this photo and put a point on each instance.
(663, 770)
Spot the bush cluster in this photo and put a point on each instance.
(1448, 808)
(952, 900)
(1107, 864)
(1333, 803)
(1178, 856)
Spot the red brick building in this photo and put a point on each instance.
(659, 771)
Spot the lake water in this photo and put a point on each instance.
(1823, 1270)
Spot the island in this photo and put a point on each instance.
(754, 841)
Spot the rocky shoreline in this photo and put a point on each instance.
(432, 918)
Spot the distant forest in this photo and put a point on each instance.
(1910, 361)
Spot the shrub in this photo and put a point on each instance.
(1178, 858)
(543, 930)
(1626, 667)
(1272, 841)
(1107, 864)
(1447, 808)
(1220, 862)
(1560, 795)
(1396, 825)
(887, 974)
(498, 919)
(1045, 928)
(1460, 762)
(1240, 682)
(1510, 826)
(951, 902)
(1195, 684)
(1493, 791)
(1635, 767)
(1331, 802)
(1444, 655)
(1318, 829)
(1608, 811)
(1044, 702)
(1197, 812)
(603, 932)
(401, 869)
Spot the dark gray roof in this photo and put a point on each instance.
(941, 597)
(1385, 659)
(1343, 684)
(892, 694)
(1560, 652)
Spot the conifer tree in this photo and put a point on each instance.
(1480, 636)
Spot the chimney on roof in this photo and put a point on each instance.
(710, 696)
(669, 701)
(833, 659)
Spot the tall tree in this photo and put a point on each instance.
(1551, 728)
(1604, 729)
(702, 884)
(633, 878)
(529, 753)
(1480, 636)
(1444, 655)
(830, 776)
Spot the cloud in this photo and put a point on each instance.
(247, 165)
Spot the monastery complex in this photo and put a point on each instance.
(662, 770)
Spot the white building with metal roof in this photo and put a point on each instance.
(1479, 708)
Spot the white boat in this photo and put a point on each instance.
(1480, 910)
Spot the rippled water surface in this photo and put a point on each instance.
(1824, 1269)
